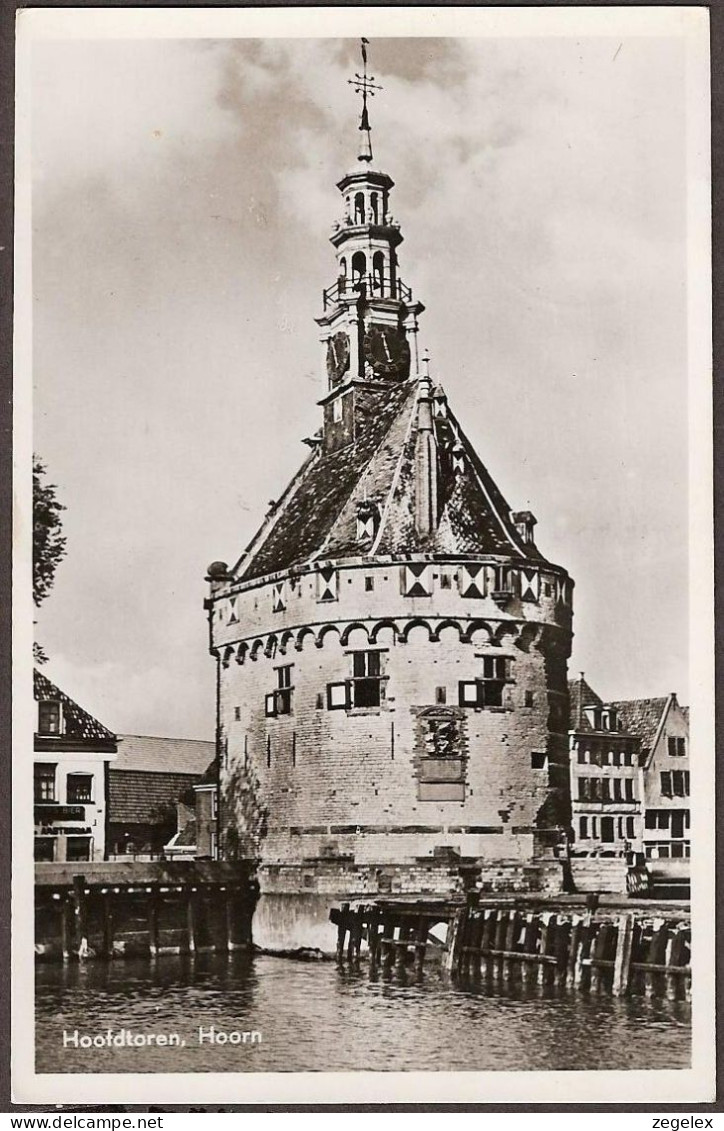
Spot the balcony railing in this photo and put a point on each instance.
(376, 286)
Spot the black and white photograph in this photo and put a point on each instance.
(363, 598)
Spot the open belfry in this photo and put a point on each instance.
(392, 645)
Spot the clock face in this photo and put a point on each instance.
(387, 352)
(337, 358)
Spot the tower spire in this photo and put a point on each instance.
(366, 86)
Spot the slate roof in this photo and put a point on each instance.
(144, 797)
(642, 718)
(316, 517)
(581, 695)
(147, 754)
(77, 722)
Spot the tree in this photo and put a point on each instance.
(48, 539)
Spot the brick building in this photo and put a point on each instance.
(629, 775)
(392, 645)
(72, 753)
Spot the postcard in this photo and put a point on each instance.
(363, 606)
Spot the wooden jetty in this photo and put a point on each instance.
(113, 910)
(600, 951)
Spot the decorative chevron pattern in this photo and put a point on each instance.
(327, 583)
(416, 580)
(279, 597)
(472, 581)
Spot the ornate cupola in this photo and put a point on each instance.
(369, 322)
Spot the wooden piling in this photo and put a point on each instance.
(622, 961)
(107, 926)
(420, 946)
(456, 928)
(373, 918)
(66, 929)
(81, 914)
(342, 930)
(486, 941)
(153, 922)
(510, 966)
(191, 920)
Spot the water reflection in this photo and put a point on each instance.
(317, 1016)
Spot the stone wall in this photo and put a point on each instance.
(360, 783)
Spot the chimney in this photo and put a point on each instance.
(425, 459)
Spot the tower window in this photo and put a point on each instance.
(378, 271)
(279, 702)
(359, 208)
(374, 207)
(49, 716)
(364, 689)
(359, 267)
(487, 691)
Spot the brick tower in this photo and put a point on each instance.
(392, 646)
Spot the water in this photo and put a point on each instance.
(316, 1017)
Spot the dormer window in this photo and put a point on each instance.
(524, 523)
(49, 716)
(609, 719)
(367, 519)
(593, 714)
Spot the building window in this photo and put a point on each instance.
(677, 746)
(44, 848)
(214, 804)
(445, 581)
(366, 679)
(369, 584)
(79, 788)
(628, 789)
(337, 410)
(605, 789)
(629, 828)
(488, 690)
(529, 699)
(279, 702)
(364, 689)
(44, 775)
(680, 783)
(584, 789)
(538, 760)
(666, 783)
(49, 716)
(583, 826)
(617, 789)
(581, 755)
(78, 848)
(440, 695)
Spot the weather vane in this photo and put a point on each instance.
(365, 85)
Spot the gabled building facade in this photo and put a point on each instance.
(630, 780)
(71, 756)
(606, 784)
(662, 727)
(392, 645)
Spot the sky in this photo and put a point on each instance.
(183, 193)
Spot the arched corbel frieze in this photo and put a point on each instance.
(353, 627)
(324, 632)
(303, 634)
(417, 622)
(380, 626)
(442, 625)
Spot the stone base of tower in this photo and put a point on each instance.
(295, 899)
